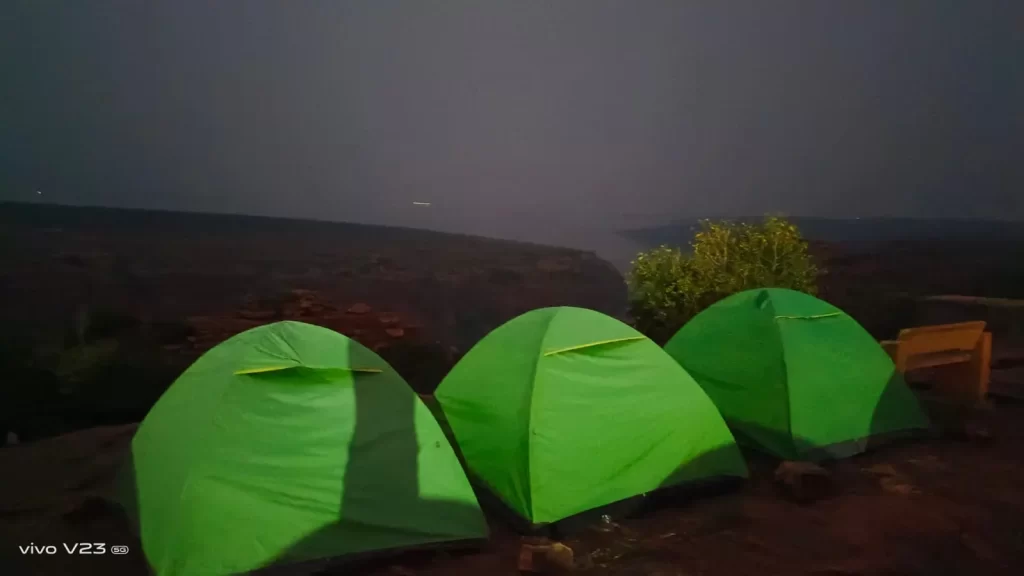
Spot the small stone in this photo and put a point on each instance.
(605, 525)
(388, 319)
(551, 558)
(360, 308)
(803, 482)
(560, 556)
(395, 332)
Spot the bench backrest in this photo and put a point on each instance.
(962, 336)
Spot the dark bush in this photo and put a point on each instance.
(668, 287)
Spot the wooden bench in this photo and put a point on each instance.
(962, 351)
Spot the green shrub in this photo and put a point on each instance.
(668, 287)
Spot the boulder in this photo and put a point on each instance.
(803, 482)
(360, 308)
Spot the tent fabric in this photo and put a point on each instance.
(563, 410)
(291, 442)
(795, 376)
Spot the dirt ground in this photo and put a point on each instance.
(942, 506)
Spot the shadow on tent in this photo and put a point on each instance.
(369, 470)
(897, 415)
(888, 425)
(394, 471)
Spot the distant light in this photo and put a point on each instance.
(421, 203)
(38, 192)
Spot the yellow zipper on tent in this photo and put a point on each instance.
(814, 317)
(280, 368)
(592, 344)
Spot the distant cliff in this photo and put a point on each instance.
(108, 306)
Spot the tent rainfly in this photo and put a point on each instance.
(564, 410)
(285, 443)
(794, 376)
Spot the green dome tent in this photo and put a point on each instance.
(563, 410)
(291, 442)
(794, 376)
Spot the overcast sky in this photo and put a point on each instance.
(354, 110)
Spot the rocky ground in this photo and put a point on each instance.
(952, 505)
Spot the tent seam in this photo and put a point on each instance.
(785, 380)
(529, 415)
(295, 353)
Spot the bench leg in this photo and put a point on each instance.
(981, 366)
